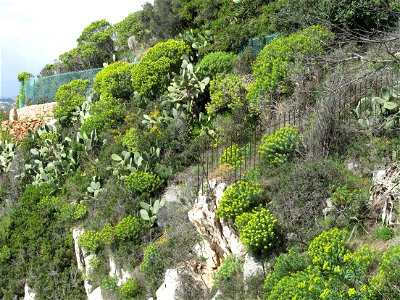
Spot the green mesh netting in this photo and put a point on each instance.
(43, 89)
(255, 45)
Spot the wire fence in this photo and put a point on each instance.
(320, 126)
(43, 89)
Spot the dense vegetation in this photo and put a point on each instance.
(182, 77)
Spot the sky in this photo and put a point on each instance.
(35, 33)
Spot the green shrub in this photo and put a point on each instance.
(277, 148)
(5, 253)
(68, 97)
(287, 263)
(233, 155)
(107, 234)
(227, 92)
(150, 76)
(115, 80)
(90, 241)
(149, 257)
(301, 285)
(272, 65)
(258, 230)
(230, 267)
(106, 113)
(143, 182)
(129, 228)
(129, 289)
(387, 282)
(328, 250)
(365, 15)
(342, 196)
(109, 283)
(214, 63)
(238, 198)
(385, 233)
(131, 139)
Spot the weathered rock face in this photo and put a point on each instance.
(220, 239)
(28, 118)
(384, 201)
(182, 284)
(82, 259)
(29, 293)
(36, 111)
(251, 267)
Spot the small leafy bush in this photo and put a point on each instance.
(131, 139)
(90, 241)
(287, 263)
(230, 267)
(150, 253)
(129, 228)
(387, 282)
(68, 97)
(107, 234)
(115, 80)
(277, 148)
(106, 113)
(233, 155)
(272, 65)
(342, 196)
(5, 253)
(149, 78)
(129, 289)
(227, 92)
(238, 198)
(258, 230)
(328, 250)
(216, 62)
(385, 233)
(109, 283)
(143, 182)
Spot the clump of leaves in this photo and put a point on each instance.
(258, 230)
(279, 147)
(239, 197)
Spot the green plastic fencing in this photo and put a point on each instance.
(256, 45)
(43, 89)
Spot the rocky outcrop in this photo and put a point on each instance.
(384, 201)
(19, 129)
(35, 111)
(29, 294)
(182, 283)
(28, 118)
(219, 236)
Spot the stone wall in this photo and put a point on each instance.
(28, 118)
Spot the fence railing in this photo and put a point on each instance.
(43, 89)
(324, 119)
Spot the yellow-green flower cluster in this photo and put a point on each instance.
(227, 92)
(328, 249)
(272, 65)
(278, 147)
(149, 76)
(233, 155)
(238, 198)
(258, 230)
(143, 182)
(151, 251)
(129, 228)
(90, 241)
